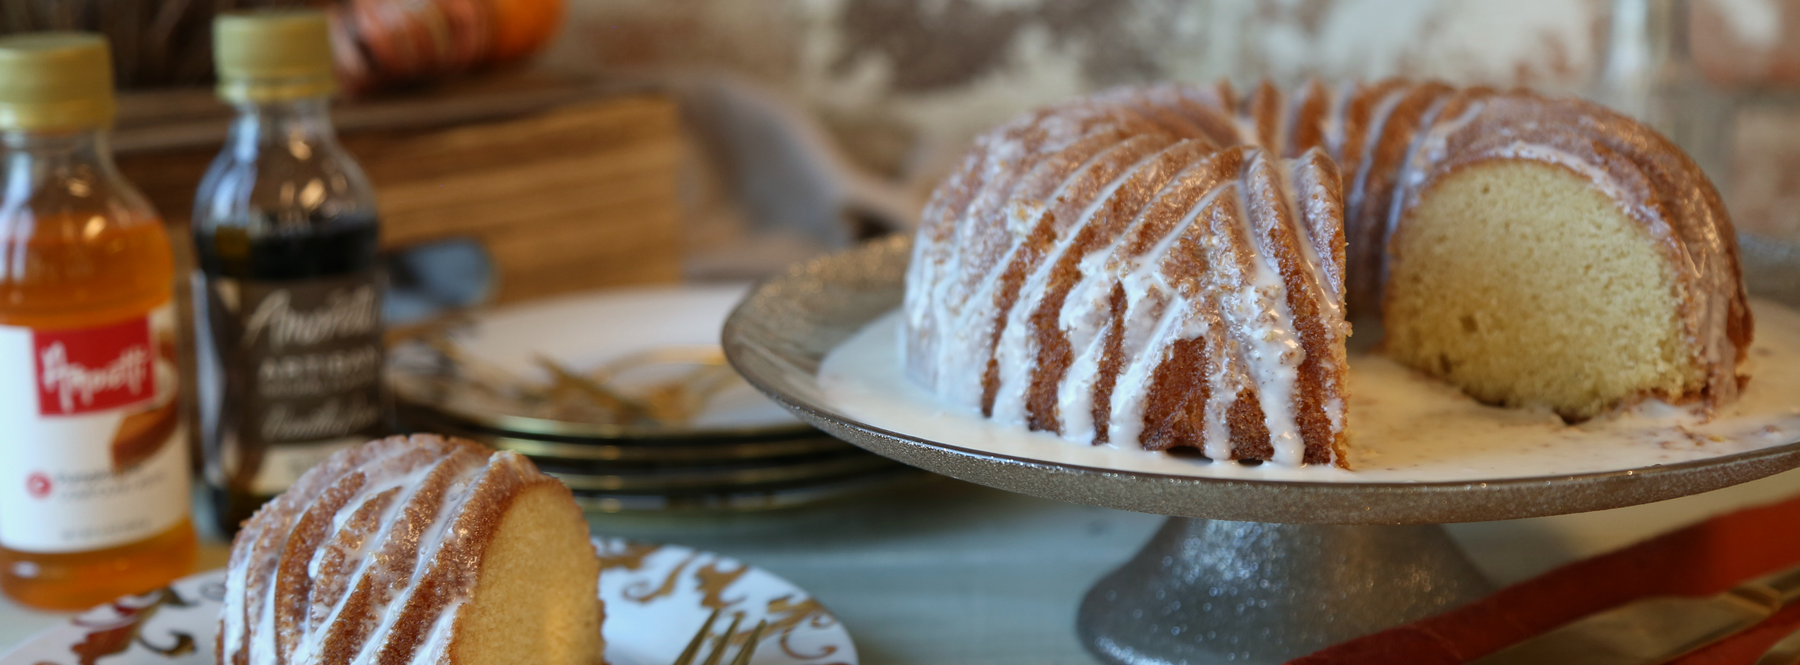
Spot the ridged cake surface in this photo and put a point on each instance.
(1175, 266)
(381, 554)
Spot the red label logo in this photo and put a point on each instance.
(37, 485)
(94, 369)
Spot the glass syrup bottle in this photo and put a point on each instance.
(288, 288)
(94, 471)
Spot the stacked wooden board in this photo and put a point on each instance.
(568, 184)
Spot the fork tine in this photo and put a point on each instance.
(718, 652)
(1785, 652)
(693, 647)
(743, 657)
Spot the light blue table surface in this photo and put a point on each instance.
(943, 573)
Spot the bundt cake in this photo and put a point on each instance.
(414, 549)
(1176, 266)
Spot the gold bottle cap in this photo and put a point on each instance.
(54, 81)
(272, 55)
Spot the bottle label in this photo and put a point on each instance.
(283, 463)
(93, 453)
(296, 368)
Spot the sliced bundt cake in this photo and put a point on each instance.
(1175, 266)
(415, 549)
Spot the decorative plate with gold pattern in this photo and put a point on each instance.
(656, 597)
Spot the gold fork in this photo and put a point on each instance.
(1785, 652)
(723, 643)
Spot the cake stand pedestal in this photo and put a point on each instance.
(1206, 591)
(1248, 571)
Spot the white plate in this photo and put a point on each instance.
(587, 330)
(656, 597)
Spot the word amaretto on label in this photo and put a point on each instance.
(93, 447)
(295, 369)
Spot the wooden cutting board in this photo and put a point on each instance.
(569, 184)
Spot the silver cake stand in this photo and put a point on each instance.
(1245, 571)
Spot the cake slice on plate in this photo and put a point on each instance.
(419, 549)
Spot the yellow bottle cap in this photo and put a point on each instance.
(52, 81)
(272, 55)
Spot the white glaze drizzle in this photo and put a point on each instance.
(971, 331)
(1157, 316)
(1258, 313)
(1329, 275)
(1018, 346)
(1086, 314)
(1333, 128)
(431, 542)
(955, 345)
(1353, 196)
(382, 473)
(1152, 309)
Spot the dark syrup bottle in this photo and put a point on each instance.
(288, 288)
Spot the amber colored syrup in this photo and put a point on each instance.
(78, 273)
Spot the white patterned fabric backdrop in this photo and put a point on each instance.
(903, 85)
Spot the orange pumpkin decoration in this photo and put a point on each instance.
(379, 43)
(522, 26)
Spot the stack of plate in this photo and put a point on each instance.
(737, 452)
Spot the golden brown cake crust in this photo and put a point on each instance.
(1051, 288)
(368, 556)
(1653, 182)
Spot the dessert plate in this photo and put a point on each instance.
(656, 597)
(581, 332)
(782, 338)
